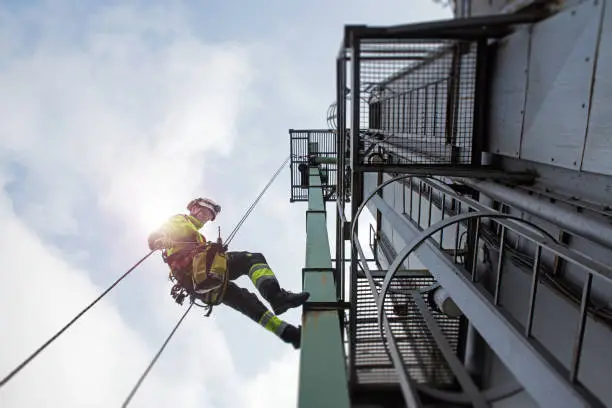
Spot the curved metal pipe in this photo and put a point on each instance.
(425, 234)
(494, 394)
(571, 221)
(565, 388)
(491, 395)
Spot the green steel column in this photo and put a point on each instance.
(323, 381)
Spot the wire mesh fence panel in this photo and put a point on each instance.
(299, 151)
(417, 100)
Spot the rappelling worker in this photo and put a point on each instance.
(205, 270)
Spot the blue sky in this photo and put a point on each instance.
(115, 116)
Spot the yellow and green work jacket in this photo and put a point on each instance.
(183, 231)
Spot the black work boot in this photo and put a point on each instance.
(292, 335)
(285, 300)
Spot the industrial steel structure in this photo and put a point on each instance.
(481, 147)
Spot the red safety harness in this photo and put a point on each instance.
(181, 267)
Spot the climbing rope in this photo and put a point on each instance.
(56, 335)
(152, 363)
(146, 372)
(248, 211)
(230, 237)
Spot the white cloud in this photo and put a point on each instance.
(114, 116)
(132, 116)
(276, 385)
(96, 361)
(128, 121)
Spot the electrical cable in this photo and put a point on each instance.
(81, 313)
(152, 363)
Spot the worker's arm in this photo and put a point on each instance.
(157, 240)
(176, 229)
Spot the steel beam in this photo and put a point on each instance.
(399, 222)
(531, 364)
(472, 27)
(322, 378)
(356, 193)
(453, 361)
(409, 392)
(484, 172)
(402, 273)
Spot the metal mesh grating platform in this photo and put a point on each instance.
(299, 141)
(417, 99)
(423, 360)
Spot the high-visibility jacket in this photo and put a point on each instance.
(183, 231)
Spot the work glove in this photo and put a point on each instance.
(163, 243)
(159, 241)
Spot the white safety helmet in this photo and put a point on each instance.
(204, 203)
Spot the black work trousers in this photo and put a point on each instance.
(241, 299)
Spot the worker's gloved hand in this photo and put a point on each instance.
(159, 241)
(164, 242)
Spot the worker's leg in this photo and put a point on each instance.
(249, 305)
(255, 266)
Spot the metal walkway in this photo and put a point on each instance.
(423, 359)
(407, 134)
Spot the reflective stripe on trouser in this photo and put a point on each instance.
(259, 273)
(272, 323)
